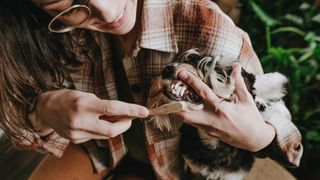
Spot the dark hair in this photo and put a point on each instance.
(30, 63)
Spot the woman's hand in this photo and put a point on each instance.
(236, 123)
(80, 116)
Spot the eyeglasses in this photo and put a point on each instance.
(70, 18)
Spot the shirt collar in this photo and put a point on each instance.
(157, 26)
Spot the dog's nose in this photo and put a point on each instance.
(169, 72)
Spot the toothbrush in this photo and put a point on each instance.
(175, 107)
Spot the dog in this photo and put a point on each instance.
(206, 157)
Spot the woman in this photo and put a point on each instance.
(121, 45)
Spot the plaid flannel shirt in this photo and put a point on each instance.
(168, 28)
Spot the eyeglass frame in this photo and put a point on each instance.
(81, 4)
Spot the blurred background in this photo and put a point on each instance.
(286, 36)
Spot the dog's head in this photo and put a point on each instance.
(208, 69)
(168, 87)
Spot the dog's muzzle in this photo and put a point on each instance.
(176, 89)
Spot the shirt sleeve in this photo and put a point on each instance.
(52, 143)
(44, 141)
(286, 148)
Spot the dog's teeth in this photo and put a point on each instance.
(179, 90)
(177, 93)
(183, 89)
(177, 84)
(173, 91)
(172, 86)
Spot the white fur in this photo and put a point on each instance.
(239, 175)
(270, 86)
(214, 175)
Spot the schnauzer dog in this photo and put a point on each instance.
(206, 157)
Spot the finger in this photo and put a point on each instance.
(79, 141)
(80, 134)
(198, 86)
(115, 118)
(109, 129)
(119, 108)
(204, 118)
(241, 88)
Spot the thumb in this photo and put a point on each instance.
(241, 88)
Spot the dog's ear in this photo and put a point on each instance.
(271, 86)
(192, 56)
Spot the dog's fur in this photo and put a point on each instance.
(204, 156)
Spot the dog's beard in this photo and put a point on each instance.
(180, 91)
(166, 91)
(169, 88)
(156, 99)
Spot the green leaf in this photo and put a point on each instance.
(289, 29)
(294, 18)
(310, 37)
(279, 54)
(308, 114)
(306, 56)
(313, 135)
(304, 6)
(263, 16)
(316, 18)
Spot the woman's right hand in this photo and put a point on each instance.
(80, 116)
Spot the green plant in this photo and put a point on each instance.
(292, 46)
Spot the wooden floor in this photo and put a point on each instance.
(16, 165)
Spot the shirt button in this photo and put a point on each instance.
(135, 88)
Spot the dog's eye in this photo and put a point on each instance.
(169, 72)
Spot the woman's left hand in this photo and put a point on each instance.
(236, 123)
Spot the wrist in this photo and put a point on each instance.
(39, 127)
(266, 137)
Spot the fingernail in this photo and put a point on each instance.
(183, 75)
(236, 65)
(144, 113)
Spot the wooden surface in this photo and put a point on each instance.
(14, 164)
(74, 164)
(267, 169)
